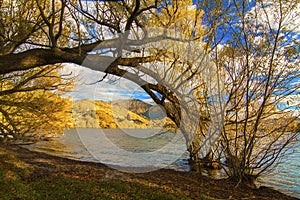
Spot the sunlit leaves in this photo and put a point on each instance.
(181, 16)
(30, 104)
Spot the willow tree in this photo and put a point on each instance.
(117, 38)
(257, 52)
(185, 70)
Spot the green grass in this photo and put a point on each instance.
(14, 185)
(64, 188)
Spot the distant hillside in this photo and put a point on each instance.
(141, 108)
(134, 105)
(118, 114)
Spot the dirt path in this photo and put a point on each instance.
(192, 183)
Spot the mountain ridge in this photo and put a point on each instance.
(128, 113)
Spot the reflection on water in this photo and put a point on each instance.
(286, 176)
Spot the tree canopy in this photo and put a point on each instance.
(205, 62)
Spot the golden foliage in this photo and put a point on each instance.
(182, 16)
(31, 103)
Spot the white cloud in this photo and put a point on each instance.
(269, 13)
(87, 86)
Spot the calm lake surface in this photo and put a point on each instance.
(147, 150)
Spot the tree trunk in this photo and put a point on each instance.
(197, 163)
(194, 159)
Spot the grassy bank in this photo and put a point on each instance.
(13, 186)
(18, 181)
(26, 174)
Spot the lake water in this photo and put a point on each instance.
(142, 150)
